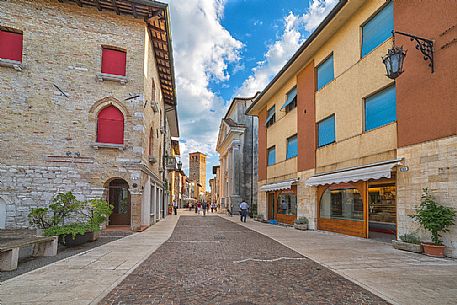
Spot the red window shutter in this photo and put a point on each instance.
(110, 126)
(113, 61)
(11, 46)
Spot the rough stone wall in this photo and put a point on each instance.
(40, 125)
(306, 198)
(262, 201)
(433, 165)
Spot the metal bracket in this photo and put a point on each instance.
(424, 45)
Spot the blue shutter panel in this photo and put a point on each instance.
(290, 97)
(378, 29)
(292, 147)
(325, 73)
(326, 131)
(380, 109)
(272, 156)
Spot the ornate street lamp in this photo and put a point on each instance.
(179, 165)
(394, 61)
(396, 56)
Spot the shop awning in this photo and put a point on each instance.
(283, 185)
(354, 174)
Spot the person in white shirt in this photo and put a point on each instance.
(175, 206)
(244, 210)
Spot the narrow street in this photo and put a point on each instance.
(211, 260)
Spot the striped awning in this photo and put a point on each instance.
(283, 185)
(361, 173)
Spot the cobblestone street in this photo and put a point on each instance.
(214, 261)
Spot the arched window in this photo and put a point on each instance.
(341, 202)
(110, 126)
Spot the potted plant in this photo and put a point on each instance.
(436, 219)
(301, 223)
(75, 222)
(408, 242)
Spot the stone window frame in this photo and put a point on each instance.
(9, 63)
(122, 79)
(93, 116)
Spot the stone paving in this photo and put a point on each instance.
(397, 276)
(210, 260)
(86, 277)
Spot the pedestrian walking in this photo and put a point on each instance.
(205, 207)
(213, 207)
(175, 207)
(244, 210)
(199, 207)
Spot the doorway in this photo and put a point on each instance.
(119, 197)
(382, 210)
(271, 205)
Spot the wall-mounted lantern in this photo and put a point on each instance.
(395, 57)
(179, 165)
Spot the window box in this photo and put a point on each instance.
(16, 65)
(112, 77)
(98, 145)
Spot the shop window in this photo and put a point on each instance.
(110, 126)
(378, 29)
(380, 109)
(382, 208)
(114, 61)
(325, 73)
(271, 116)
(287, 204)
(341, 203)
(271, 155)
(10, 45)
(292, 147)
(326, 131)
(291, 100)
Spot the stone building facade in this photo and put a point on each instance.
(364, 145)
(237, 147)
(52, 101)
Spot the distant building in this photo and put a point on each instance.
(237, 148)
(197, 170)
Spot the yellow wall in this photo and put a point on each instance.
(355, 78)
(277, 134)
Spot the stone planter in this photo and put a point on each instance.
(301, 227)
(68, 240)
(401, 245)
(93, 236)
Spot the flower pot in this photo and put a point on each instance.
(301, 227)
(401, 245)
(433, 250)
(68, 240)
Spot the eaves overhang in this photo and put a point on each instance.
(337, 17)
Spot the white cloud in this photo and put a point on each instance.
(203, 48)
(282, 49)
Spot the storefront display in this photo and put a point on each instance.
(282, 205)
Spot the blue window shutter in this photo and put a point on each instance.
(380, 109)
(378, 29)
(270, 114)
(326, 131)
(292, 147)
(290, 97)
(272, 156)
(325, 73)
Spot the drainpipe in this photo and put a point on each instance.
(252, 164)
(163, 166)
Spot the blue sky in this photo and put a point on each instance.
(228, 48)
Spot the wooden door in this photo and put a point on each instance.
(271, 205)
(119, 197)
